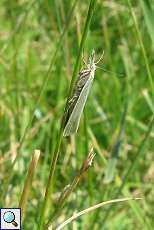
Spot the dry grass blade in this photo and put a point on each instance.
(69, 188)
(92, 208)
(28, 181)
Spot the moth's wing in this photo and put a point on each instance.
(74, 120)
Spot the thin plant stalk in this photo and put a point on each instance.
(57, 148)
(28, 181)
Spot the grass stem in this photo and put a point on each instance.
(56, 152)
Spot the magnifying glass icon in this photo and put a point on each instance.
(9, 217)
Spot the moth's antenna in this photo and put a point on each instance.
(108, 71)
(101, 58)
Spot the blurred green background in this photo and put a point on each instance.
(36, 65)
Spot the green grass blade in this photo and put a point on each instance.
(132, 167)
(149, 17)
(111, 167)
(147, 65)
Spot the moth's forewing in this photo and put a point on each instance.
(80, 83)
(74, 119)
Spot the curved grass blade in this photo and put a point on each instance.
(111, 167)
(92, 208)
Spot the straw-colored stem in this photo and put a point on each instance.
(28, 181)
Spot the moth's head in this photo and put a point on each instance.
(92, 60)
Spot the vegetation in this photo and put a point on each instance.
(110, 159)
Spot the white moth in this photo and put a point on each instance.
(81, 91)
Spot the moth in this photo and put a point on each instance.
(80, 94)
